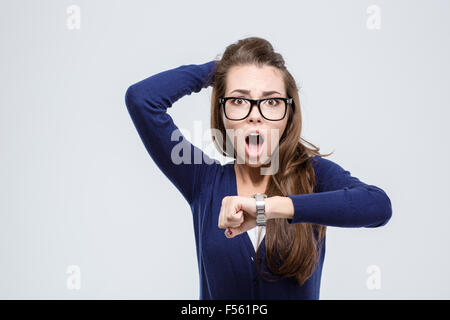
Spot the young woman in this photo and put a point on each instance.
(253, 96)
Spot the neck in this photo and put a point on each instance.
(251, 177)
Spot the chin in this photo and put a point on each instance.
(253, 165)
(260, 162)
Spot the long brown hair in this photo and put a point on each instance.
(292, 244)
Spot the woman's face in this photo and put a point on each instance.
(253, 82)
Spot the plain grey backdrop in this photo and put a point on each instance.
(77, 187)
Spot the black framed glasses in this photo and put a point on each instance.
(238, 108)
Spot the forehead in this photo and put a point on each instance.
(254, 78)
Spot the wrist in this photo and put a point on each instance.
(279, 207)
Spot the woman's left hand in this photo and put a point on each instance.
(237, 215)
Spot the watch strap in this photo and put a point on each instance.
(260, 209)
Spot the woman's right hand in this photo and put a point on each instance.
(237, 215)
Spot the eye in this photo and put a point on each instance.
(238, 101)
(272, 102)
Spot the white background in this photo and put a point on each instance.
(77, 186)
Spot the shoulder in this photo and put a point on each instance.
(320, 164)
(323, 165)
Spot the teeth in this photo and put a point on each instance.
(255, 138)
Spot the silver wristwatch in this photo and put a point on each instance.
(260, 209)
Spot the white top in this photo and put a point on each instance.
(253, 234)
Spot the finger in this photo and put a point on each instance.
(220, 222)
(222, 213)
(248, 224)
(222, 218)
(238, 217)
(233, 232)
(230, 231)
(235, 219)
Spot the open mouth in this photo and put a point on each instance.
(253, 144)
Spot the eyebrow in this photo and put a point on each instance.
(264, 94)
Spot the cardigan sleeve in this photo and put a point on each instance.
(341, 201)
(147, 102)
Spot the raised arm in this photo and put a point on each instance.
(341, 201)
(147, 102)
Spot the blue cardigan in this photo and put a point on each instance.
(227, 267)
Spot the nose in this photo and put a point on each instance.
(255, 115)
